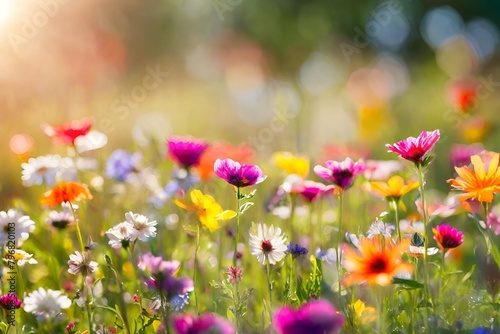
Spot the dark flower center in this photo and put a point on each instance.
(266, 246)
(378, 265)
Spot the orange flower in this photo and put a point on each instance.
(375, 263)
(242, 153)
(393, 189)
(478, 184)
(66, 192)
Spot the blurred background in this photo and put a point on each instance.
(324, 78)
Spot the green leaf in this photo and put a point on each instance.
(409, 283)
(108, 260)
(248, 196)
(427, 160)
(245, 207)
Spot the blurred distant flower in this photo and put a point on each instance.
(478, 184)
(61, 219)
(186, 152)
(292, 164)
(296, 250)
(462, 94)
(460, 154)
(48, 169)
(181, 181)
(179, 302)
(206, 208)
(315, 317)
(121, 163)
(67, 133)
(91, 141)
(207, 323)
(142, 228)
(447, 237)
(312, 191)
(15, 222)
(121, 235)
(339, 152)
(21, 144)
(238, 175)
(20, 257)
(380, 228)
(482, 330)
(475, 129)
(268, 244)
(205, 168)
(78, 263)
(234, 274)
(329, 255)
(493, 222)
(362, 313)
(381, 169)
(10, 301)
(392, 190)
(46, 303)
(373, 263)
(414, 149)
(66, 192)
(340, 173)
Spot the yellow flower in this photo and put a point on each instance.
(362, 313)
(393, 189)
(292, 164)
(209, 212)
(478, 184)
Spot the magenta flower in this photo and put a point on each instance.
(234, 274)
(414, 149)
(493, 222)
(312, 191)
(10, 301)
(208, 323)
(340, 173)
(238, 175)
(447, 236)
(186, 151)
(315, 317)
(460, 154)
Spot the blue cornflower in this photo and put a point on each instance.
(179, 302)
(296, 250)
(121, 163)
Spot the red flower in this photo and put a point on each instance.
(67, 133)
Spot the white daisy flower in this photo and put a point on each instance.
(379, 227)
(20, 257)
(62, 219)
(15, 227)
(93, 140)
(143, 228)
(268, 244)
(78, 263)
(121, 235)
(40, 169)
(46, 303)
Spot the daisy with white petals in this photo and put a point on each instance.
(46, 303)
(143, 228)
(79, 264)
(121, 235)
(15, 227)
(268, 244)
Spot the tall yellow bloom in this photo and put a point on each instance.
(292, 164)
(478, 184)
(209, 212)
(393, 189)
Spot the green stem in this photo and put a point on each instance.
(396, 217)
(425, 218)
(292, 216)
(196, 267)
(312, 230)
(122, 304)
(269, 285)
(237, 235)
(77, 224)
(337, 245)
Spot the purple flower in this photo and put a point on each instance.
(121, 163)
(312, 191)
(296, 250)
(340, 173)
(447, 236)
(493, 223)
(208, 323)
(186, 151)
(460, 154)
(315, 317)
(414, 149)
(10, 301)
(238, 175)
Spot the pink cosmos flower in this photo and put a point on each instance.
(207, 323)
(312, 191)
(10, 301)
(315, 317)
(460, 154)
(493, 222)
(186, 151)
(238, 175)
(447, 236)
(414, 149)
(340, 173)
(67, 133)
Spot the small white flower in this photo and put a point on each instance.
(78, 263)
(20, 257)
(418, 251)
(15, 227)
(93, 140)
(143, 228)
(268, 244)
(61, 219)
(46, 303)
(121, 235)
(379, 227)
(40, 169)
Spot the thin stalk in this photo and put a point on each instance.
(77, 224)
(425, 218)
(292, 215)
(337, 245)
(396, 217)
(237, 235)
(269, 285)
(312, 230)
(196, 267)
(319, 220)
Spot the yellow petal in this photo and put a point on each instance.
(183, 204)
(478, 166)
(493, 165)
(210, 223)
(197, 198)
(396, 183)
(228, 214)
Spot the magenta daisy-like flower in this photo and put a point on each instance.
(186, 151)
(10, 301)
(447, 236)
(312, 191)
(315, 317)
(414, 149)
(340, 173)
(239, 175)
(207, 323)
